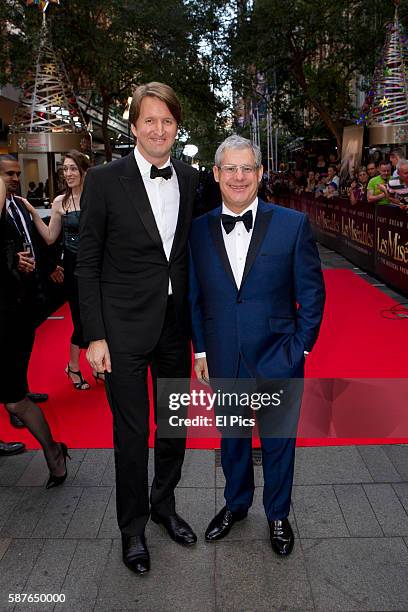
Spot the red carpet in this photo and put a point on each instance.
(355, 342)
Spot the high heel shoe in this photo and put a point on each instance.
(56, 481)
(99, 376)
(82, 384)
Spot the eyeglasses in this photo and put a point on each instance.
(12, 173)
(230, 170)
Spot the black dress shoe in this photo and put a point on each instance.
(282, 538)
(135, 553)
(38, 398)
(11, 448)
(221, 524)
(16, 422)
(176, 527)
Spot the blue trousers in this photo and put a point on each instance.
(278, 459)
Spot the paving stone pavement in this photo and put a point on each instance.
(349, 513)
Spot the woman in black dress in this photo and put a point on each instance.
(17, 303)
(65, 216)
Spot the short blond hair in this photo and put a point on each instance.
(155, 90)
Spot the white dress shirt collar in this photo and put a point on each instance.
(237, 242)
(27, 236)
(144, 165)
(9, 199)
(253, 207)
(164, 198)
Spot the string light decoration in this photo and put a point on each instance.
(47, 102)
(42, 4)
(385, 110)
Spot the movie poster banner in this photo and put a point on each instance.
(391, 246)
(357, 228)
(325, 217)
(351, 152)
(307, 203)
(374, 238)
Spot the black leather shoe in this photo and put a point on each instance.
(221, 524)
(282, 538)
(176, 527)
(11, 448)
(135, 553)
(16, 422)
(38, 398)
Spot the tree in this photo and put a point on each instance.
(314, 50)
(110, 46)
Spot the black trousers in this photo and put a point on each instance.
(72, 293)
(127, 392)
(17, 333)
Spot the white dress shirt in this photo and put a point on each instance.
(237, 242)
(11, 199)
(164, 198)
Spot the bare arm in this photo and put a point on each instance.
(390, 196)
(353, 199)
(396, 201)
(376, 198)
(49, 232)
(393, 200)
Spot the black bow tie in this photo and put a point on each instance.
(162, 172)
(229, 222)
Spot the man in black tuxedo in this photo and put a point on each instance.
(21, 306)
(22, 286)
(132, 271)
(6, 448)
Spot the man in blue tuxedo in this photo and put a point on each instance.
(257, 298)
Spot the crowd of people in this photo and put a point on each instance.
(32, 269)
(142, 280)
(382, 180)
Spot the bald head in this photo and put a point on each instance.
(403, 171)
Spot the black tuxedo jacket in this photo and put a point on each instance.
(17, 288)
(122, 268)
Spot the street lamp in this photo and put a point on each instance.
(125, 116)
(190, 150)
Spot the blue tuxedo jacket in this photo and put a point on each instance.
(276, 313)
